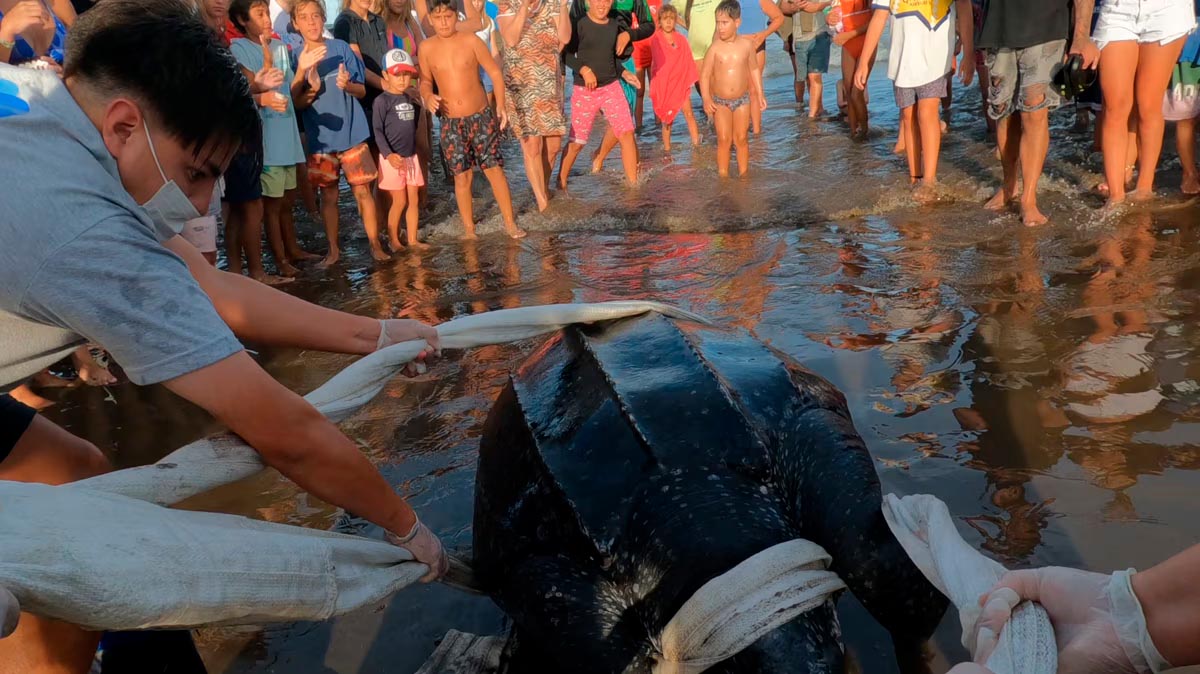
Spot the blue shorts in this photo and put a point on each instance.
(812, 56)
(15, 418)
(243, 178)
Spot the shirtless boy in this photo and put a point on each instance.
(729, 77)
(470, 130)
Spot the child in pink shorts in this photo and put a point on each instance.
(592, 56)
(394, 119)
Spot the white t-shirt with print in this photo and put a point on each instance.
(923, 38)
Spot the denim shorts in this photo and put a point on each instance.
(1021, 78)
(812, 56)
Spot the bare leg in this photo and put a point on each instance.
(553, 145)
(532, 148)
(693, 128)
(755, 111)
(607, 144)
(741, 124)
(666, 136)
(366, 209)
(984, 77)
(816, 87)
(233, 240)
(568, 160)
(849, 64)
(913, 153)
(496, 178)
(329, 216)
(629, 157)
(1185, 142)
(395, 213)
(1008, 136)
(1118, 63)
(858, 98)
(250, 214)
(272, 216)
(639, 108)
(901, 145)
(929, 125)
(466, 209)
(724, 122)
(412, 214)
(287, 221)
(308, 195)
(50, 455)
(1154, 66)
(1035, 141)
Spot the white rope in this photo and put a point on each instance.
(105, 554)
(222, 459)
(740, 606)
(923, 525)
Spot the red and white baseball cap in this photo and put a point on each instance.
(398, 61)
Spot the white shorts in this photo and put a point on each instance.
(1143, 21)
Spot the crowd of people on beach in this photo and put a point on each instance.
(355, 98)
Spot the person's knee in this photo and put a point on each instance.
(88, 461)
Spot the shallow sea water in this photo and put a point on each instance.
(1044, 382)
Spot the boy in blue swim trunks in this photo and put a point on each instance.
(729, 77)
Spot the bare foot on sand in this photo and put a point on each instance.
(597, 163)
(925, 193)
(378, 254)
(395, 246)
(470, 235)
(418, 245)
(90, 371)
(300, 255)
(1140, 196)
(271, 279)
(286, 269)
(330, 260)
(1190, 184)
(1031, 216)
(1000, 201)
(515, 232)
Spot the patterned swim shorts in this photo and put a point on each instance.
(355, 163)
(472, 141)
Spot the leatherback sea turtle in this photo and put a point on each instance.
(626, 465)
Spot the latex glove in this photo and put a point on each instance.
(425, 548)
(10, 611)
(1098, 621)
(397, 330)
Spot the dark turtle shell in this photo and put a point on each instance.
(627, 464)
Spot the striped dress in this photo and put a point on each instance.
(533, 73)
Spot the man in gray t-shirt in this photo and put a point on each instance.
(98, 173)
(811, 44)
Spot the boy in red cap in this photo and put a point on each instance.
(394, 120)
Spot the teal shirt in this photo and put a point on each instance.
(281, 138)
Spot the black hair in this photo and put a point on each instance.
(239, 13)
(435, 5)
(162, 54)
(730, 8)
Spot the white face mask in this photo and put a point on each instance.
(169, 208)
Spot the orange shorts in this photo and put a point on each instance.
(356, 163)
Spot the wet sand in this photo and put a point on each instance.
(1044, 382)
